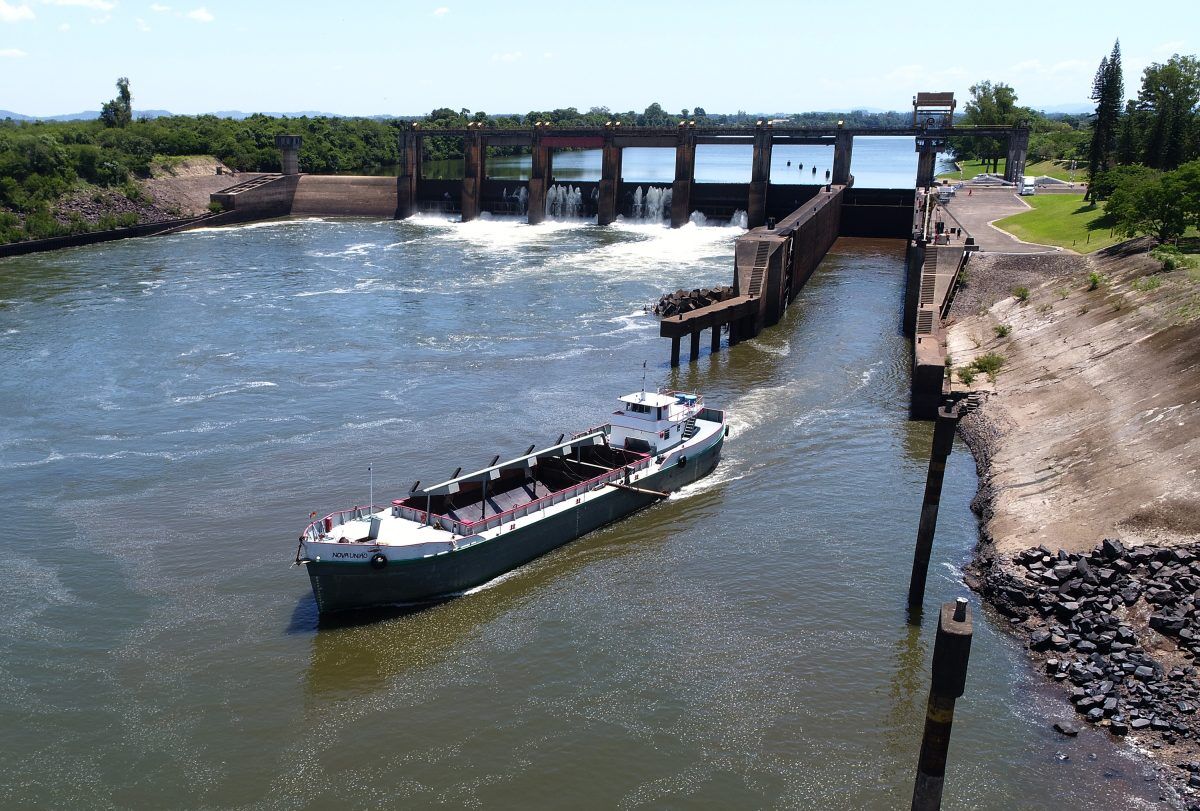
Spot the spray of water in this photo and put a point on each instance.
(564, 202)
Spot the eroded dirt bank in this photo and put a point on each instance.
(1091, 431)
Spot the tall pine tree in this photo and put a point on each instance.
(1108, 90)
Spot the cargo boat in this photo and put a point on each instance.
(448, 538)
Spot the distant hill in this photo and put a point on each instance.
(86, 115)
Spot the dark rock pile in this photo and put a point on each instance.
(91, 207)
(684, 301)
(1098, 617)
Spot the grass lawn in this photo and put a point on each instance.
(1063, 220)
(972, 168)
(1056, 170)
(1048, 168)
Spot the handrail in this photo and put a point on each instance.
(556, 497)
(312, 529)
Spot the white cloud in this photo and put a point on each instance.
(100, 20)
(64, 26)
(441, 11)
(548, 55)
(141, 25)
(159, 8)
(200, 15)
(511, 56)
(12, 53)
(1172, 47)
(98, 5)
(14, 14)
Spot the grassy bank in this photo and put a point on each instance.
(1063, 220)
(972, 168)
(1038, 169)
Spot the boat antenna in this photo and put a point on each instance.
(371, 496)
(643, 380)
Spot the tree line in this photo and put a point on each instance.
(1144, 153)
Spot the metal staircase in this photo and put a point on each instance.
(760, 268)
(689, 429)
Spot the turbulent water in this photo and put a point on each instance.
(175, 407)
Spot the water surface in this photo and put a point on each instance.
(175, 407)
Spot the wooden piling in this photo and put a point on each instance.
(951, 652)
(943, 441)
(694, 354)
(675, 351)
(715, 339)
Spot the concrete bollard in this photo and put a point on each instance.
(951, 651)
(943, 441)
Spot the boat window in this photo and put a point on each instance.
(637, 408)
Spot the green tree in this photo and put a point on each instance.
(1144, 201)
(990, 105)
(1184, 183)
(1169, 95)
(1108, 91)
(119, 111)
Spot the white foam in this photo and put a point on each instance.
(722, 475)
(359, 426)
(235, 389)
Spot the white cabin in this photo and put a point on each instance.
(650, 422)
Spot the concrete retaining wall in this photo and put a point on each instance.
(78, 240)
(345, 196)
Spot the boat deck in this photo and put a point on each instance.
(501, 502)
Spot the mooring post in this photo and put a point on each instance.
(951, 651)
(694, 354)
(675, 351)
(943, 441)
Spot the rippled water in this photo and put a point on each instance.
(174, 408)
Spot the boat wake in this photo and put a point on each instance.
(724, 474)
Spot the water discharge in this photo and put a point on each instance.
(175, 407)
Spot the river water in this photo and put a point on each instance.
(175, 407)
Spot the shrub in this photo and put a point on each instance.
(966, 374)
(215, 207)
(1021, 294)
(1002, 330)
(990, 364)
(1094, 280)
(1147, 283)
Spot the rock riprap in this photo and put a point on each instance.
(1120, 628)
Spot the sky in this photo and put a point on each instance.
(370, 57)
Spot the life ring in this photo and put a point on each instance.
(683, 461)
(378, 560)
